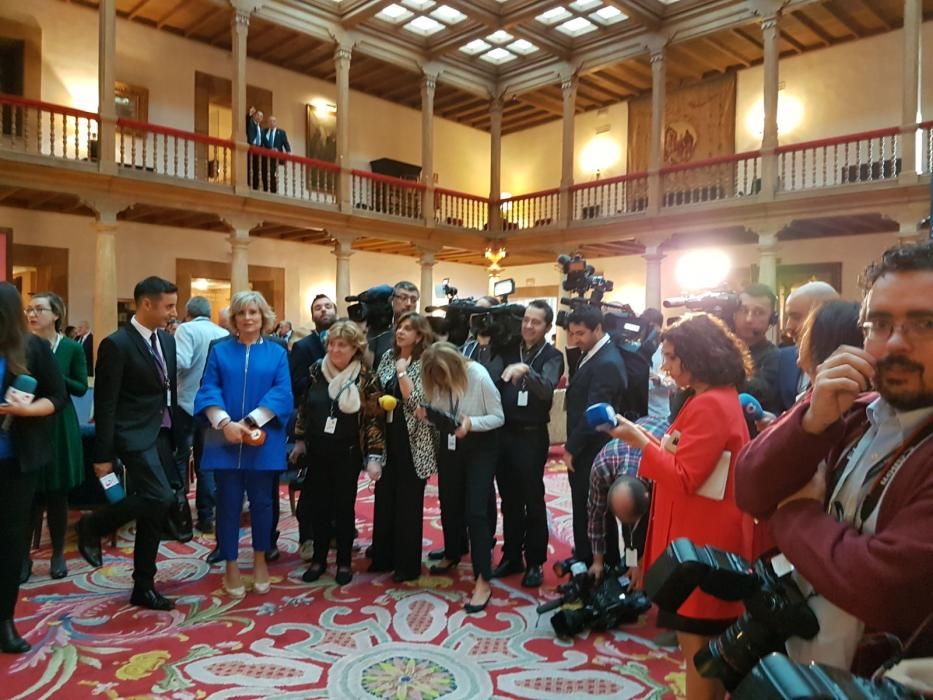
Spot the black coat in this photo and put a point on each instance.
(279, 142)
(30, 436)
(304, 354)
(129, 397)
(601, 379)
(254, 133)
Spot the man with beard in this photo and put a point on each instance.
(846, 476)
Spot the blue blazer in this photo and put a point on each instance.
(239, 385)
(788, 377)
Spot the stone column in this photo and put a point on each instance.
(910, 104)
(106, 58)
(767, 259)
(495, 163)
(105, 274)
(239, 259)
(343, 249)
(239, 30)
(769, 139)
(653, 257)
(342, 55)
(428, 86)
(427, 262)
(568, 88)
(656, 151)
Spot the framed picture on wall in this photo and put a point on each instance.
(132, 101)
(6, 254)
(321, 132)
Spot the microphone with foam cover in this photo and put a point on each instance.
(21, 393)
(601, 416)
(751, 407)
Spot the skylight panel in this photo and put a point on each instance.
(448, 15)
(553, 16)
(523, 47)
(608, 15)
(577, 26)
(498, 55)
(419, 4)
(425, 26)
(500, 36)
(393, 13)
(584, 5)
(474, 47)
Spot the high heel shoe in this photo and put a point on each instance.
(470, 608)
(10, 641)
(444, 568)
(57, 568)
(262, 587)
(234, 591)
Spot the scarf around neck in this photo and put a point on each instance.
(342, 385)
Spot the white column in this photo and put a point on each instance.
(495, 162)
(656, 152)
(767, 259)
(342, 56)
(653, 257)
(105, 274)
(239, 30)
(239, 259)
(428, 86)
(911, 104)
(427, 263)
(106, 57)
(770, 138)
(568, 88)
(343, 249)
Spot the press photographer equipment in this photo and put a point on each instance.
(722, 303)
(775, 608)
(501, 323)
(603, 606)
(445, 422)
(374, 306)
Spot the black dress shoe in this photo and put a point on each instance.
(441, 569)
(273, 554)
(150, 598)
(470, 608)
(344, 575)
(314, 572)
(25, 570)
(89, 544)
(215, 556)
(533, 578)
(436, 555)
(57, 567)
(205, 527)
(507, 568)
(402, 578)
(10, 641)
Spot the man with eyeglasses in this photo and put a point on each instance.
(405, 297)
(756, 314)
(846, 476)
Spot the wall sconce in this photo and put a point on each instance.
(494, 256)
(789, 116)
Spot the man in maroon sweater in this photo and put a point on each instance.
(846, 477)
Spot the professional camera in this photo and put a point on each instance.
(778, 678)
(775, 608)
(722, 303)
(502, 323)
(604, 606)
(374, 306)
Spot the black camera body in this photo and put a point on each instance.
(778, 678)
(445, 422)
(501, 323)
(775, 608)
(721, 303)
(603, 606)
(374, 307)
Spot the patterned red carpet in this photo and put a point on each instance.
(371, 639)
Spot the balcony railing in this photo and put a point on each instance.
(293, 176)
(43, 129)
(728, 177)
(382, 194)
(857, 158)
(173, 153)
(530, 210)
(926, 140)
(460, 210)
(604, 199)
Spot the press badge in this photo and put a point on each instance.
(631, 557)
(168, 397)
(330, 425)
(523, 398)
(452, 442)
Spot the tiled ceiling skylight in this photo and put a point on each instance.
(419, 4)
(425, 26)
(498, 55)
(474, 47)
(553, 16)
(500, 36)
(608, 15)
(448, 15)
(394, 14)
(577, 26)
(584, 5)
(523, 47)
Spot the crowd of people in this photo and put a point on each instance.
(834, 474)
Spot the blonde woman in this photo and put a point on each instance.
(246, 388)
(463, 392)
(339, 421)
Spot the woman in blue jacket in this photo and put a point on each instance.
(246, 390)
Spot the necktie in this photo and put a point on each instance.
(272, 139)
(163, 376)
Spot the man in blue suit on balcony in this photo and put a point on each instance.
(254, 137)
(274, 139)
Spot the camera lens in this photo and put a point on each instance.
(734, 653)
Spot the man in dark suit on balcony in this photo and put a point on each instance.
(275, 139)
(254, 137)
(86, 338)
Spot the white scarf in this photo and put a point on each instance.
(342, 385)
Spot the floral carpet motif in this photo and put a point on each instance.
(373, 638)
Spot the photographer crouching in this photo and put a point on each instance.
(852, 509)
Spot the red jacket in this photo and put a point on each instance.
(885, 579)
(709, 424)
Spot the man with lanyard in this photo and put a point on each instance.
(533, 369)
(852, 510)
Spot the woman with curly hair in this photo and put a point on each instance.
(693, 468)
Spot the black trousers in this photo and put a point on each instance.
(465, 476)
(55, 505)
(16, 496)
(520, 476)
(331, 484)
(398, 514)
(149, 497)
(579, 495)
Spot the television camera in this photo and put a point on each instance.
(502, 322)
(374, 307)
(722, 303)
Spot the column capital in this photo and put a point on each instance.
(568, 83)
(240, 20)
(245, 8)
(656, 46)
(428, 82)
(343, 53)
(496, 103)
(343, 247)
(107, 208)
(240, 224)
(768, 10)
(427, 259)
(767, 242)
(653, 253)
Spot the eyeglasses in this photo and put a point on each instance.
(883, 328)
(407, 298)
(35, 310)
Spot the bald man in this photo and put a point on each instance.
(791, 380)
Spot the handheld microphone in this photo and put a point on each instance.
(601, 416)
(751, 407)
(387, 403)
(20, 393)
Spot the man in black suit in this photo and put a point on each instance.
(84, 336)
(135, 394)
(254, 138)
(275, 139)
(599, 378)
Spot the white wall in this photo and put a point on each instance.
(152, 250)
(165, 64)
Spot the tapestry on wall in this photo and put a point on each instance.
(699, 123)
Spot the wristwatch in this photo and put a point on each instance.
(403, 373)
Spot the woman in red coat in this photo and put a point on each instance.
(703, 356)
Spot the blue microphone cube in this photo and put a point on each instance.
(113, 489)
(601, 416)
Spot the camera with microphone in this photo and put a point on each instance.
(372, 307)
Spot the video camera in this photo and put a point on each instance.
(604, 606)
(374, 307)
(775, 608)
(722, 303)
(502, 323)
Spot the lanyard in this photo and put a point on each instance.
(336, 399)
(521, 354)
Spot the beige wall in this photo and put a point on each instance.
(151, 250)
(165, 64)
